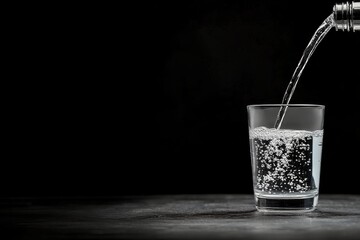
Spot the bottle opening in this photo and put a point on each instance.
(347, 16)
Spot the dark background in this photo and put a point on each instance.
(151, 98)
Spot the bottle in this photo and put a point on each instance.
(347, 16)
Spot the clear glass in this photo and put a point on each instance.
(286, 161)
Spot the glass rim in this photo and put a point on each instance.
(286, 105)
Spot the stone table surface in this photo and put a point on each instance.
(174, 217)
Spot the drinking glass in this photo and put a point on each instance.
(286, 161)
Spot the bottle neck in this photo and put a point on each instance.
(347, 16)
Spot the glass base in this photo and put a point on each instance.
(286, 205)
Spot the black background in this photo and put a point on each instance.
(151, 98)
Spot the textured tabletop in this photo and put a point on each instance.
(174, 217)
